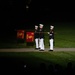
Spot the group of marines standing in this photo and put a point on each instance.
(39, 37)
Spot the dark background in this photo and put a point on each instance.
(15, 15)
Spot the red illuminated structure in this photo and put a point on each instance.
(29, 36)
(20, 34)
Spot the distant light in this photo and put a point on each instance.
(25, 66)
(27, 6)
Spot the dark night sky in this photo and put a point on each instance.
(14, 14)
(15, 11)
(53, 10)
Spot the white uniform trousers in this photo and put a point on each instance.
(51, 44)
(41, 44)
(37, 42)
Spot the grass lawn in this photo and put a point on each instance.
(33, 62)
(35, 58)
(64, 37)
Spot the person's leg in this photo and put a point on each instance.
(36, 43)
(42, 44)
(51, 44)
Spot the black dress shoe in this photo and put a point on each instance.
(50, 50)
(36, 48)
(41, 50)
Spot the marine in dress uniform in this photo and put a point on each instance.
(41, 37)
(36, 35)
(51, 37)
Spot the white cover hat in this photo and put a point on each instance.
(51, 27)
(41, 25)
(36, 26)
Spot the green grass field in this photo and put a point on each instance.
(36, 62)
(36, 58)
(64, 37)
